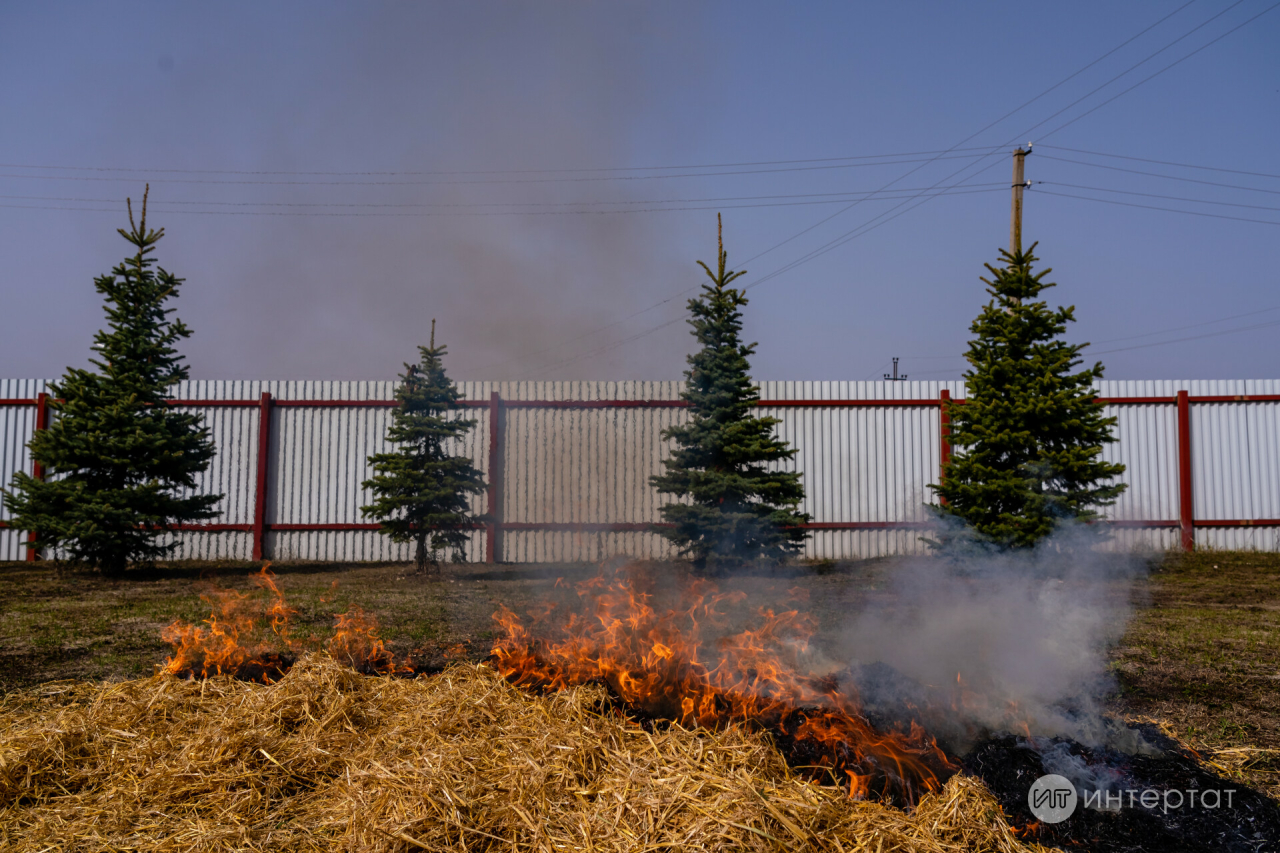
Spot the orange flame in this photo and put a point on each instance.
(658, 661)
(249, 639)
(232, 644)
(356, 642)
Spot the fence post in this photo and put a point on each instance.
(944, 436)
(1185, 509)
(265, 406)
(37, 470)
(493, 535)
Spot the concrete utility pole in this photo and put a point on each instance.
(1015, 214)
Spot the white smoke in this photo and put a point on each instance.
(1000, 641)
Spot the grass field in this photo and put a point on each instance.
(1201, 655)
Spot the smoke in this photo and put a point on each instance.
(979, 640)
(444, 109)
(463, 90)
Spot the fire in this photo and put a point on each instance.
(688, 664)
(234, 643)
(356, 643)
(249, 639)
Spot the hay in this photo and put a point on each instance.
(327, 759)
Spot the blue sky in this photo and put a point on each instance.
(530, 188)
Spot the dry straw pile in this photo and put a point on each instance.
(327, 759)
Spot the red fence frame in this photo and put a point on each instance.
(494, 525)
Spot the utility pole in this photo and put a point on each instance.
(1015, 214)
(895, 377)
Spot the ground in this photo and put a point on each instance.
(1201, 655)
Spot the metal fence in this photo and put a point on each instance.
(568, 464)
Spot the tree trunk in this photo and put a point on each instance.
(420, 556)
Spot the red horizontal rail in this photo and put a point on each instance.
(641, 526)
(842, 404)
(667, 404)
(1135, 401)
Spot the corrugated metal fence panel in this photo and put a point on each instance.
(319, 460)
(17, 423)
(583, 466)
(592, 465)
(231, 472)
(862, 464)
(1235, 468)
(1147, 445)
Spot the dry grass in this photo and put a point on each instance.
(1202, 660)
(327, 760)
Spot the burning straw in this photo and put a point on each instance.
(685, 659)
(328, 759)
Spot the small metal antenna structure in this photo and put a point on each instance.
(895, 377)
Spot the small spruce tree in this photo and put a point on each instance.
(117, 457)
(1029, 436)
(738, 508)
(421, 489)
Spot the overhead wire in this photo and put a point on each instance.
(1182, 178)
(1200, 325)
(1155, 195)
(838, 213)
(476, 181)
(889, 215)
(367, 172)
(1160, 162)
(1157, 207)
(482, 204)
(1172, 64)
(961, 190)
(1127, 71)
(1269, 324)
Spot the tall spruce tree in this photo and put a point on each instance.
(116, 455)
(738, 508)
(421, 489)
(1029, 437)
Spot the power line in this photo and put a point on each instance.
(1156, 195)
(1134, 337)
(1191, 326)
(1166, 209)
(858, 232)
(1159, 162)
(460, 209)
(370, 173)
(584, 179)
(1172, 64)
(482, 204)
(1161, 175)
(1133, 67)
(1254, 327)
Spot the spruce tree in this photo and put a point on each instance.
(421, 489)
(118, 458)
(1029, 436)
(737, 507)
